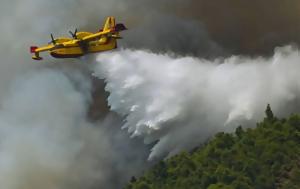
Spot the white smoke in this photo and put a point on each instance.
(180, 102)
(46, 141)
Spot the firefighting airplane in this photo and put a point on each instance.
(82, 43)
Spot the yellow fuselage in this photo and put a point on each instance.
(72, 50)
(82, 42)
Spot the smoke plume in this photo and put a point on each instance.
(180, 102)
(47, 142)
(167, 97)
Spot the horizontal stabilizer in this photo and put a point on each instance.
(34, 57)
(120, 27)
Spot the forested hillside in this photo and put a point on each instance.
(264, 157)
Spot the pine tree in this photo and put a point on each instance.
(269, 113)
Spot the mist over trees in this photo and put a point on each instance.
(263, 157)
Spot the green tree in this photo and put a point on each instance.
(269, 113)
(264, 157)
(239, 131)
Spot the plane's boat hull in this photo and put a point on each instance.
(75, 51)
(57, 55)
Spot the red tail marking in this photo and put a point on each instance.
(33, 48)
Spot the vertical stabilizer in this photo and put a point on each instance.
(109, 23)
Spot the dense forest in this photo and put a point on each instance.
(265, 157)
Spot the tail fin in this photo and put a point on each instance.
(33, 48)
(120, 27)
(36, 55)
(110, 23)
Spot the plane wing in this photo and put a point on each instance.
(110, 27)
(96, 35)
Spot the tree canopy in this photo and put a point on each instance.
(265, 157)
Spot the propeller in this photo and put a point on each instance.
(52, 40)
(74, 34)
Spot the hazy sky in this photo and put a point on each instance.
(43, 105)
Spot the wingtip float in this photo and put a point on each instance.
(82, 43)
